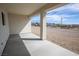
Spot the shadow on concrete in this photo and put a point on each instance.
(16, 47)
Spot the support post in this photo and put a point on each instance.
(43, 25)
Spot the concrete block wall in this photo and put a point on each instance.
(19, 24)
(4, 31)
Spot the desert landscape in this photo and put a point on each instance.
(67, 38)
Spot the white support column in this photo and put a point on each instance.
(43, 25)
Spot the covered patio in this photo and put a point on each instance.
(21, 41)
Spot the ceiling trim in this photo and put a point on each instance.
(47, 7)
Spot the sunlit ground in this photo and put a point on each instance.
(67, 38)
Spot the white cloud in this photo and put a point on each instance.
(55, 17)
(60, 8)
(75, 7)
(72, 9)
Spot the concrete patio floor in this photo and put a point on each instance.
(15, 45)
(28, 35)
(46, 48)
(18, 46)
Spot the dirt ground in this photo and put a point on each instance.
(66, 38)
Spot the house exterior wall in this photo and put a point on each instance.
(19, 24)
(4, 30)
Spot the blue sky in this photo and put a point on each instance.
(69, 14)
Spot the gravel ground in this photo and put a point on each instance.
(66, 38)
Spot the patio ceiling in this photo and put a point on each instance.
(28, 8)
(22, 8)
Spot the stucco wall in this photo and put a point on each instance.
(19, 24)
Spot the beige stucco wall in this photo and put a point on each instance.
(19, 24)
(4, 31)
